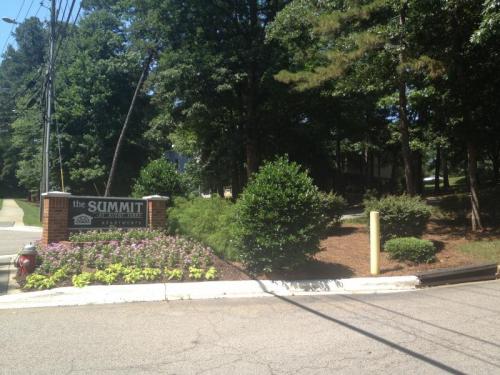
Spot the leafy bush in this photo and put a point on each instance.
(159, 177)
(411, 249)
(400, 216)
(83, 279)
(105, 277)
(132, 275)
(211, 274)
(115, 235)
(280, 217)
(173, 274)
(151, 274)
(210, 221)
(38, 281)
(334, 206)
(195, 273)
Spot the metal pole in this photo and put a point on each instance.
(50, 81)
(374, 243)
(50, 92)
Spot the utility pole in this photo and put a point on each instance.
(45, 186)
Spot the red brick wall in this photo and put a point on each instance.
(156, 214)
(55, 220)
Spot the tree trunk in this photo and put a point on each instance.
(418, 173)
(444, 167)
(339, 180)
(496, 167)
(251, 134)
(436, 168)
(125, 124)
(403, 115)
(473, 186)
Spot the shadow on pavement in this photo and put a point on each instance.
(375, 337)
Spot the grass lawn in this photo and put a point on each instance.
(31, 214)
(484, 250)
(1, 202)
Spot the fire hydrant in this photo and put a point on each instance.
(26, 260)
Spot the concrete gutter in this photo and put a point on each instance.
(101, 294)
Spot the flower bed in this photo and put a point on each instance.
(127, 257)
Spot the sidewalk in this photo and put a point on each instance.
(11, 215)
(13, 236)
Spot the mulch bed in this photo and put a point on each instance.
(346, 253)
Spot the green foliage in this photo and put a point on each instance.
(105, 276)
(83, 279)
(31, 213)
(211, 274)
(195, 273)
(159, 177)
(115, 235)
(132, 275)
(400, 216)
(335, 206)
(151, 274)
(37, 281)
(173, 274)
(280, 217)
(210, 221)
(411, 249)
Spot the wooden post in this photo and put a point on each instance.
(374, 243)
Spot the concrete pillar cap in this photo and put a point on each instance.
(60, 194)
(156, 198)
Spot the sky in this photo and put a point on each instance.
(25, 9)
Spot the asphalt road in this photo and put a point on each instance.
(441, 330)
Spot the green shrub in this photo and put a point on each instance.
(411, 249)
(83, 279)
(211, 274)
(151, 274)
(280, 217)
(195, 273)
(334, 206)
(115, 235)
(159, 177)
(173, 274)
(105, 276)
(209, 221)
(132, 275)
(400, 216)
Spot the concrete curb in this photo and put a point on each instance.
(101, 294)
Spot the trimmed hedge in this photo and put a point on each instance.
(281, 217)
(411, 249)
(209, 221)
(400, 216)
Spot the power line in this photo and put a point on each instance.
(27, 12)
(38, 10)
(65, 26)
(13, 26)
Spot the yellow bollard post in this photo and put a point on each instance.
(374, 243)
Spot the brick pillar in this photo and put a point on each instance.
(55, 217)
(157, 206)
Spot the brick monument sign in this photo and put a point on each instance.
(64, 214)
